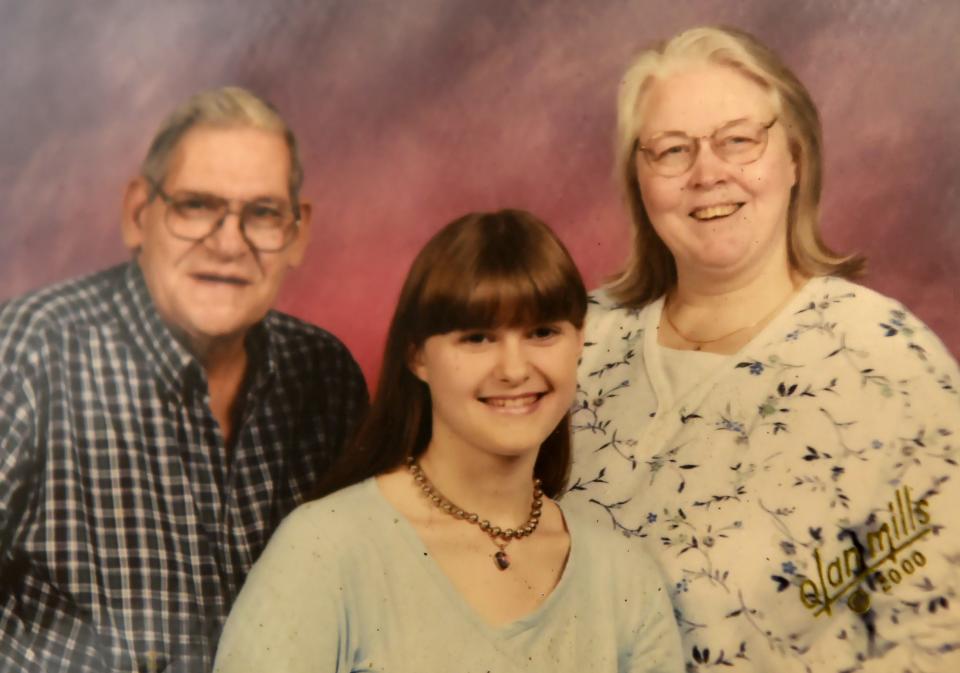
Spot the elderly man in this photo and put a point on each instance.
(157, 419)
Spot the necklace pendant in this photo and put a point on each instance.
(502, 560)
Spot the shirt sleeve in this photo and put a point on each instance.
(17, 455)
(900, 432)
(290, 616)
(916, 588)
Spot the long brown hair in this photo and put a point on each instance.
(481, 271)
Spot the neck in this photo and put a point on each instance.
(218, 356)
(704, 289)
(225, 363)
(497, 488)
(722, 312)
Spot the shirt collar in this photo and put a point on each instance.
(172, 363)
(261, 344)
(175, 366)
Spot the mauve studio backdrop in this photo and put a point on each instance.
(412, 112)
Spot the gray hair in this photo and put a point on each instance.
(651, 271)
(226, 106)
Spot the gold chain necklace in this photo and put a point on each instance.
(700, 343)
(501, 537)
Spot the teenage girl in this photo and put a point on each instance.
(441, 547)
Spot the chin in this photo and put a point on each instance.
(724, 260)
(208, 329)
(518, 447)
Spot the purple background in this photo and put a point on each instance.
(412, 112)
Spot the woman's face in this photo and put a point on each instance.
(500, 391)
(718, 218)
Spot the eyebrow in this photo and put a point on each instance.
(256, 199)
(684, 133)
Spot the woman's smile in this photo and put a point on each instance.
(714, 212)
(525, 403)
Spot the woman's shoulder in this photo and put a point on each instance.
(612, 327)
(872, 322)
(600, 304)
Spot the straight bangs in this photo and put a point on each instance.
(507, 270)
(480, 272)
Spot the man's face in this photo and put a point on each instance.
(216, 288)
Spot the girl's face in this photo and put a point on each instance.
(501, 391)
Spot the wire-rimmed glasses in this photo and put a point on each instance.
(741, 141)
(267, 224)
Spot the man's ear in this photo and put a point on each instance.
(299, 246)
(135, 199)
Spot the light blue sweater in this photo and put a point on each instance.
(346, 585)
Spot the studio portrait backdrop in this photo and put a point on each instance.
(412, 113)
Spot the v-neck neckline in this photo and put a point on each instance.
(445, 585)
(667, 401)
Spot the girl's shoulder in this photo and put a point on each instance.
(608, 550)
(338, 515)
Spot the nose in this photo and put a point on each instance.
(513, 365)
(708, 169)
(228, 240)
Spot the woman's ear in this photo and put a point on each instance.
(415, 362)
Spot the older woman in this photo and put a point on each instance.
(783, 440)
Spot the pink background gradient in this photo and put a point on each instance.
(413, 112)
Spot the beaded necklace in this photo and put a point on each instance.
(501, 537)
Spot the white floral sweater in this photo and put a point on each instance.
(800, 498)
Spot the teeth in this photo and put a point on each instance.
(711, 212)
(512, 402)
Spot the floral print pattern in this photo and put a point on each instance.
(781, 493)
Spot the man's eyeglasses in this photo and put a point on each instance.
(267, 225)
(738, 142)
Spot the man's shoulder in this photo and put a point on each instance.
(306, 347)
(57, 309)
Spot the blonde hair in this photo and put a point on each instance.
(650, 269)
(223, 107)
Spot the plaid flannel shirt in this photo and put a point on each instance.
(126, 526)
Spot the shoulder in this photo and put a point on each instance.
(612, 332)
(621, 579)
(310, 349)
(303, 337)
(611, 554)
(56, 310)
(878, 326)
(606, 317)
(337, 518)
